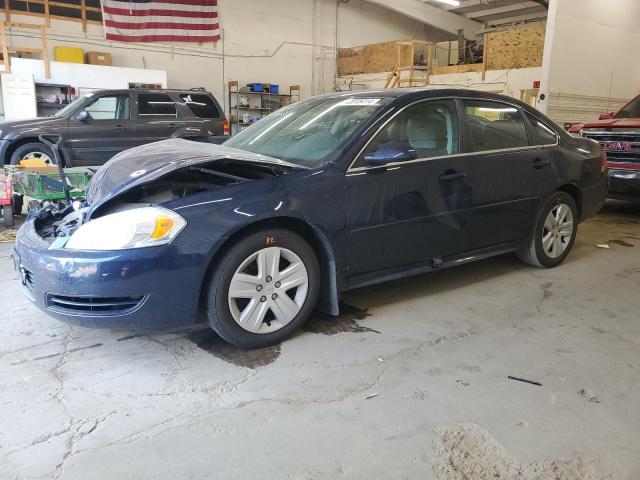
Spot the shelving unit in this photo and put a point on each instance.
(63, 92)
(255, 104)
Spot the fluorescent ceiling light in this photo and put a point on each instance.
(455, 3)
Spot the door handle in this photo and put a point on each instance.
(539, 163)
(120, 127)
(452, 175)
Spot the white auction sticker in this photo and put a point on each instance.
(360, 101)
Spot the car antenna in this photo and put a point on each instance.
(53, 142)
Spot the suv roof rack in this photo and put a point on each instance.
(198, 89)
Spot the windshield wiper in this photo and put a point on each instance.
(228, 176)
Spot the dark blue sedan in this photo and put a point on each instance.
(332, 193)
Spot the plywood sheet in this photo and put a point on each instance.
(375, 58)
(516, 48)
(465, 68)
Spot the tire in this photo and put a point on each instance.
(18, 202)
(33, 150)
(267, 319)
(7, 216)
(543, 253)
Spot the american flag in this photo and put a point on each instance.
(161, 20)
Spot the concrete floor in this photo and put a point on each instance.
(411, 383)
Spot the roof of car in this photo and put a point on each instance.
(428, 90)
(152, 90)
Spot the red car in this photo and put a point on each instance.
(619, 135)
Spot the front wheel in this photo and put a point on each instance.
(33, 151)
(263, 289)
(553, 234)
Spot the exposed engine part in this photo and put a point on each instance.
(59, 219)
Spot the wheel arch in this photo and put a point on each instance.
(328, 295)
(575, 193)
(18, 142)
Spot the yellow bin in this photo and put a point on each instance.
(68, 54)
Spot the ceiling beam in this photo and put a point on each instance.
(507, 8)
(518, 19)
(470, 6)
(490, 15)
(433, 15)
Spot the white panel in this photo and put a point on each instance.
(81, 75)
(592, 50)
(565, 108)
(18, 96)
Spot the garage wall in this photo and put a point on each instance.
(591, 60)
(280, 41)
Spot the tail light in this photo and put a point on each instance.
(603, 159)
(225, 127)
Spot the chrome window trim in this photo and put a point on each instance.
(351, 168)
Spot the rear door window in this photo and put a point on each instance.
(114, 107)
(494, 125)
(541, 133)
(200, 105)
(156, 105)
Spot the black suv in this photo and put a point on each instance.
(100, 124)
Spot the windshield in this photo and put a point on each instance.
(72, 106)
(310, 132)
(632, 110)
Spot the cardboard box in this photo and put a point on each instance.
(99, 58)
(68, 54)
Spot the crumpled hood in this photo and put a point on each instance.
(148, 162)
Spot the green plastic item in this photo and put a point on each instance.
(47, 186)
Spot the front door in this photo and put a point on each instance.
(402, 212)
(157, 118)
(106, 131)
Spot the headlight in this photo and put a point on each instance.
(135, 228)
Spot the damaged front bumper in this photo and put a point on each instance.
(144, 288)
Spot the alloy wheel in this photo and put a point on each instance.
(557, 231)
(268, 290)
(38, 156)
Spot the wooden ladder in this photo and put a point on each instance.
(7, 50)
(418, 75)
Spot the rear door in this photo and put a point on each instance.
(156, 117)
(107, 131)
(204, 115)
(506, 173)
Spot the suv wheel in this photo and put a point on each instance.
(34, 150)
(263, 289)
(554, 233)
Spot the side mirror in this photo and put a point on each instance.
(606, 116)
(84, 116)
(391, 152)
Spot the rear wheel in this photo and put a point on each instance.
(263, 289)
(33, 151)
(554, 233)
